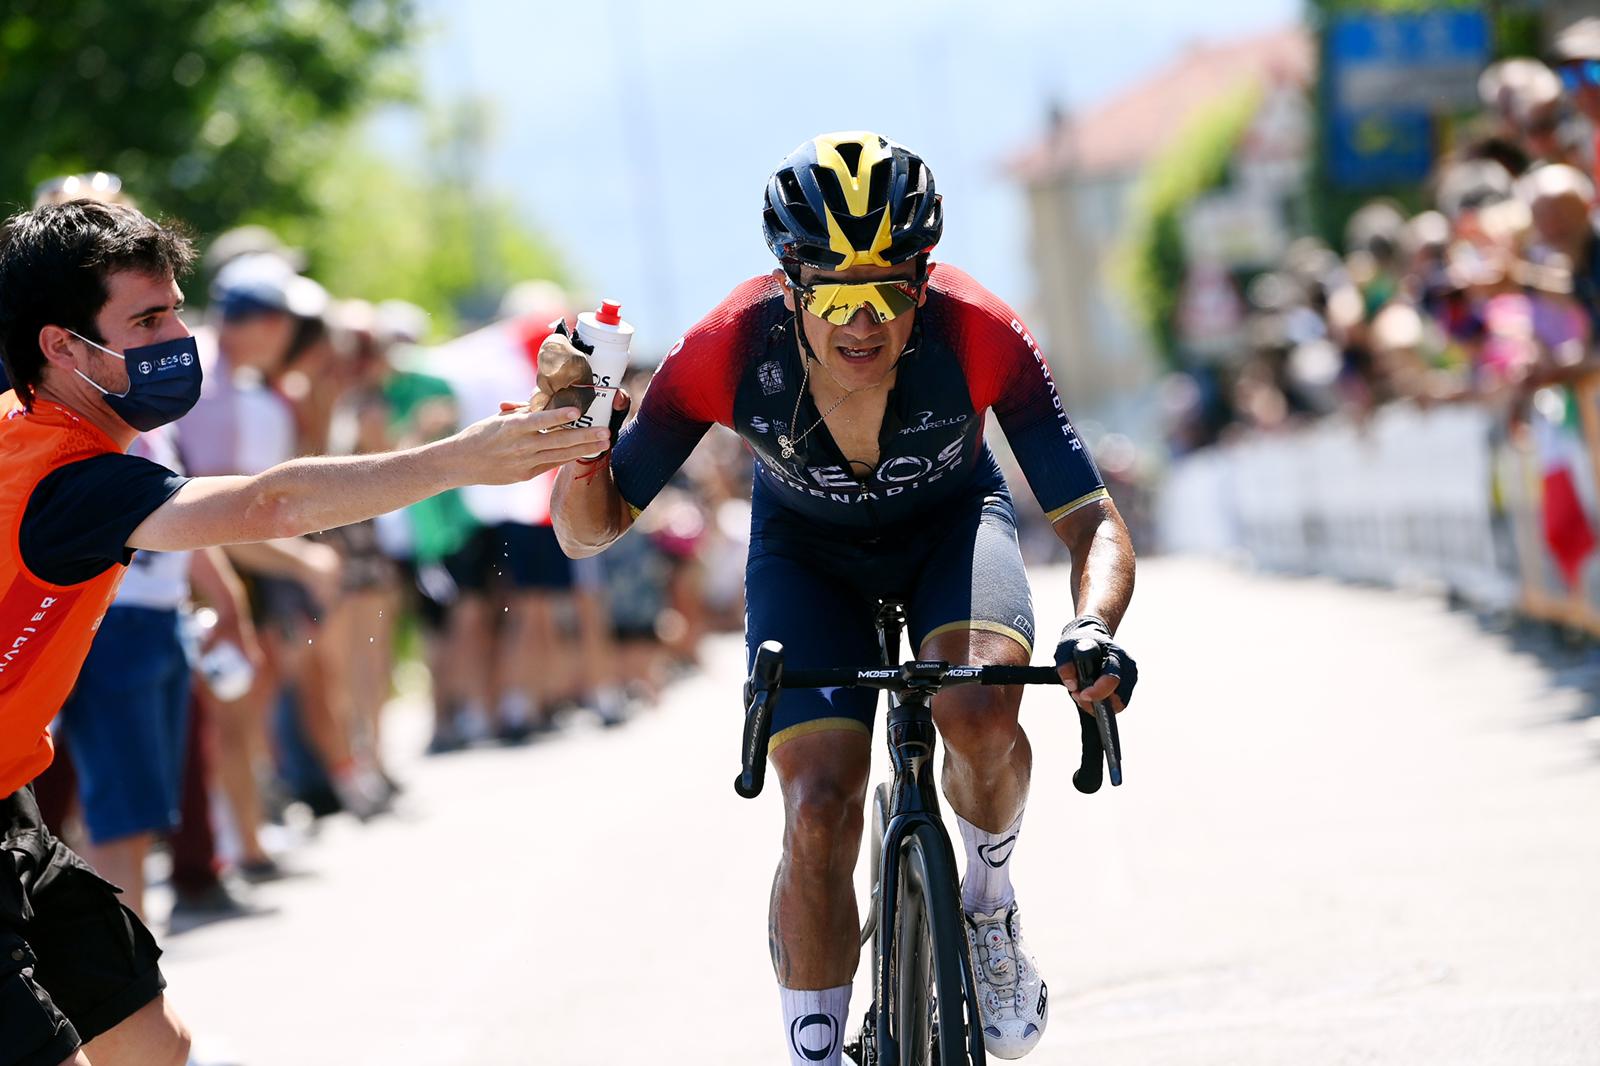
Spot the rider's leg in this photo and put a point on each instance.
(820, 752)
(987, 758)
(987, 763)
(973, 605)
(813, 926)
(813, 921)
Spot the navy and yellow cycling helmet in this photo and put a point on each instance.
(847, 199)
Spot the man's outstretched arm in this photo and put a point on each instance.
(306, 495)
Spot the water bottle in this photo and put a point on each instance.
(225, 668)
(604, 337)
(227, 671)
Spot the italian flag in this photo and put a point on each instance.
(1559, 437)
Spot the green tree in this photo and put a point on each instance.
(210, 110)
(1152, 262)
(220, 112)
(377, 231)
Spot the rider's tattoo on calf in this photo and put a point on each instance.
(780, 961)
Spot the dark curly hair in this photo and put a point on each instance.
(54, 262)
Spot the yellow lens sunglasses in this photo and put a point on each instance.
(838, 302)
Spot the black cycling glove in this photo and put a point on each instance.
(1118, 663)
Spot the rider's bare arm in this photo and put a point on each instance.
(586, 509)
(1102, 560)
(1102, 572)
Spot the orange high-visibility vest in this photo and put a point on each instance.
(45, 629)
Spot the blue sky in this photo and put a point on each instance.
(638, 136)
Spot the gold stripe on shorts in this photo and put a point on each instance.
(816, 725)
(986, 627)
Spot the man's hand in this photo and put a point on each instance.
(565, 378)
(1118, 676)
(518, 444)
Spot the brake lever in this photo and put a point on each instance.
(1088, 659)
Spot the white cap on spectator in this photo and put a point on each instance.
(1430, 229)
(1553, 182)
(1397, 328)
(1472, 184)
(1581, 40)
(1513, 87)
(247, 240)
(401, 322)
(1376, 228)
(263, 281)
(544, 301)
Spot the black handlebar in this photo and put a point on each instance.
(918, 675)
(768, 677)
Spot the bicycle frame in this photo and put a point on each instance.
(913, 811)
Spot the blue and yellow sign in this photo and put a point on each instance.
(1389, 79)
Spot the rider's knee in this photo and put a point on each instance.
(977, 722)
(824, 819)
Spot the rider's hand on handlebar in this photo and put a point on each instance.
(1118, 676)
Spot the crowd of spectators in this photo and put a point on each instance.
(229, 691)
(1490, 294)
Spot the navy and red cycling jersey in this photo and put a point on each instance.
(968, 353)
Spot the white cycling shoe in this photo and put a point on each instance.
(1012, 1001)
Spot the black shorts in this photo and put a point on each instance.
(531, 558)
(472, 566)
(74, 962)
(814, 591)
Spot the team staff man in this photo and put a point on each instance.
(96, 351)
(861, 377)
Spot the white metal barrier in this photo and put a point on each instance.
(1406, 497)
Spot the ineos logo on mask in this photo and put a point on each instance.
(803, 1047)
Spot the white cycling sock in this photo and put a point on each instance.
(813, 1024)
(986, 886)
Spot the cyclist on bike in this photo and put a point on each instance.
(859, 374)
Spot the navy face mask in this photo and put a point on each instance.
(163, 382)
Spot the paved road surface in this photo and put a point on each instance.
(1368, 834)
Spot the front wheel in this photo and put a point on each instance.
(929, 957)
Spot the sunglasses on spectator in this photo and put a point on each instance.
(96, 186)
(838, 302)
(1577, 74)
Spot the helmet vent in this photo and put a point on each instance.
(850, 152)
(878, 188)
(908, 209)
(790, 186)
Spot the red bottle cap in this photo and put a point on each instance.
(610, 313)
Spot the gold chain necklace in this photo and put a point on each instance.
(786, 444)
